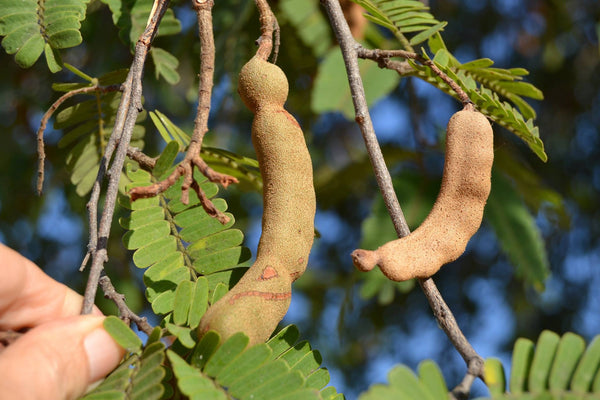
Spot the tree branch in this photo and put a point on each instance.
(351, 50)
(127, 113)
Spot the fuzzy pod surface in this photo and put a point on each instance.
(457, 212)
(259, 301)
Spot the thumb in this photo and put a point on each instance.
(58, 360)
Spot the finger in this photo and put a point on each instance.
(58, 360)
(28, 296)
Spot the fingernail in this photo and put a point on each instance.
(103, 354)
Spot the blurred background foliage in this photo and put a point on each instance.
(362, 324)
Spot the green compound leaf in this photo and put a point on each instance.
(204, 349)
(331, 91)
(404, 384)
(199, 302)
(166, 159)
(486, 87)
(188, 255)
(589, 364)
(553, 368)
(182, 302)
(431, 376)
(192, 382)
(122, 334)
(282, 368)
(31, 27)
(517, 232)
(403, 17)
(521, 365)
(185, 335)
(494, 376)
(224, 354)
(539, 373)
(165, 65)
(569, 352)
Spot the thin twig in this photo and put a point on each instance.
(207, 69)
(192, 157)
(268, 23)
(125, 312)
(381, 55)
(48, 114)
(144, 161)
(448, 323)
(129, 108)
(350, 51)
(276, 40)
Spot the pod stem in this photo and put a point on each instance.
(192, 157)
(269, 32)
(351, 51)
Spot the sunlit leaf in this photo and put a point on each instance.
(31, 27)
(192, 382)
(122, 334)
(494, 376)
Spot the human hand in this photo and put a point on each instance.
(63, 352)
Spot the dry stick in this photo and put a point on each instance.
(92, 204)
(382, 55)
(192, 158)
(276, 40)
(144, 161)
(443, 314)
(46, 117)
(207, 69)
(124, 311)
(268, 23)
(127, 113)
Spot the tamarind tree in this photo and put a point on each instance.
(143, 113)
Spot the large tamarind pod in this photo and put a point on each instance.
(259, 301)
(457, 212)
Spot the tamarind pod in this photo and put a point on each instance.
(259, 301)
(457, 212)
